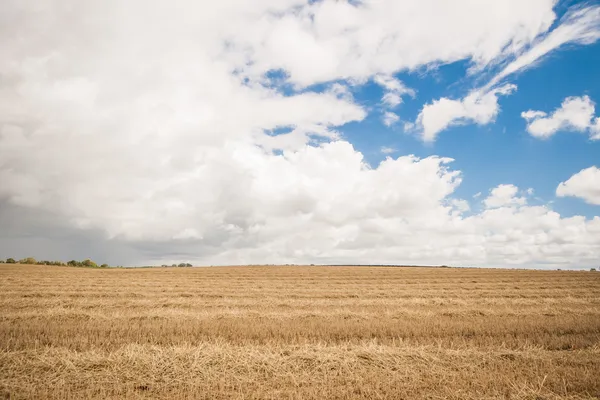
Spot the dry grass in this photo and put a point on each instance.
(298, 333)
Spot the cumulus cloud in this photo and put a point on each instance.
(194, 128)
(478, 107)
(575, 114)
(585, 184)
(503, 196)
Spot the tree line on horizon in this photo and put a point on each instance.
(73, 263)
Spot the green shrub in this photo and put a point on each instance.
(89, 263)
(104, 266)
(28, 260)
(11, 261)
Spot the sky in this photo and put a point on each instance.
(428, 132)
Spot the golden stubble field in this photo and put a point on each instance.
(298, 333)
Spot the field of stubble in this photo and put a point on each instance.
(298, 333)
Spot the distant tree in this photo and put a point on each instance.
(182, 265)
(593, 269)
(74, 263)
(28, 260)
(174, 265)
(188, 265)
(11, 261)
(89, 263)
(2, 262)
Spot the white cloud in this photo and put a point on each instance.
(389, 118)
(528, 115)
(153, 125)
(585, 184)
(391, 99)
(461, 205)
(504, 196)
(388, 150)
(394, 88)
(575, 114)
(326, 40)
(595, 129)
(478, 107)
(580, 26)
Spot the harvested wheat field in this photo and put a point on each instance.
(298, 333)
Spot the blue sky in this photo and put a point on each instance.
(301, 131)
(501, 152)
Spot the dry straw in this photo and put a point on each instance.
(298, 333)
